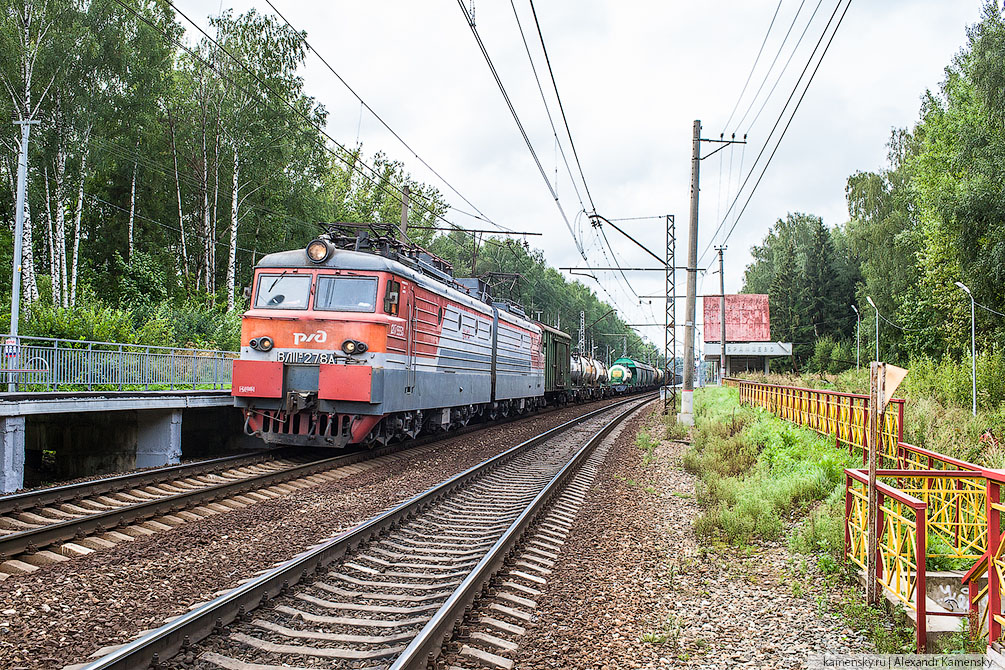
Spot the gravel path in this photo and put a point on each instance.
(633, 588)
(64, 612)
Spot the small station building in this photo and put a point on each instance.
(749, 346)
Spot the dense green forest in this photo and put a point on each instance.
(933, 216)
(161, 169)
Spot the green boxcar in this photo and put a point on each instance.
(556, 362)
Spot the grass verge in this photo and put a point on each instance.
(764, 479)
(756, 471)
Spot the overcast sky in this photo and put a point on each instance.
(633, 76)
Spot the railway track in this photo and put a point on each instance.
(389, 592)
(31, 521)
(97, 514)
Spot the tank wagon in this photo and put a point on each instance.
(627, 374)
(367, 340)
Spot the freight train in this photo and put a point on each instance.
(367, 340)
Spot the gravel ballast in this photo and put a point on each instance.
(62, 613)
(633, 588)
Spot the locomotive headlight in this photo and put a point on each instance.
(354, 347)
(262, 343)
(318, 251)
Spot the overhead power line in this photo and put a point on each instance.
(785, 67)
(788, 123)
(753, 67)
(519, 124)
(774, 60)
(781, 115)
(993, 311)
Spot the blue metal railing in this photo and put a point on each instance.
(49, 364)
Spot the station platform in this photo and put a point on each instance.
(94, 432)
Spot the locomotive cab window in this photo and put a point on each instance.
(391, 297)
(346, 294)
(283, 291)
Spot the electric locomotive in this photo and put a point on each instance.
(368, 340)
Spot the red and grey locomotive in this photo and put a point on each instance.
(377, 342)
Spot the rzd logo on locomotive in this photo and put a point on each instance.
(319, 337)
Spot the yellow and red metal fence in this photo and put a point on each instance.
(930, 505)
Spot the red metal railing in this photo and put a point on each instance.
(922, 494)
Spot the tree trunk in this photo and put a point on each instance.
(53, 265)
(59, 241)
(177, 186)
(29, 285)
(206, 241)
(232, 258)
(132, 212)
(216, 199)
(76, 222)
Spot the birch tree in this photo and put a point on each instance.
(30, 25)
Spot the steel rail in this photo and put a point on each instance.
(425, 646)
(36, 538)
(164, 642)
(54, 495)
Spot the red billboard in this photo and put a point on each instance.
(747, 318)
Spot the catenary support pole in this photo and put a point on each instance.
(687, 393)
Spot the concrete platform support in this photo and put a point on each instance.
(158, 439)
(11, 453)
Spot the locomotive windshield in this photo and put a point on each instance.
(346, 294)
(283, 291)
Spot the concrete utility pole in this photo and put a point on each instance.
(22, 187)
(722, 316)
(869, 300)
(687, 392)
(403, 226)
(858, 339)
(973, 345)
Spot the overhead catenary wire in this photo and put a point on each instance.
(547, 111)
(516, 118)
(197, 234)
(480, 215)
(781, 116)
(561, 107)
